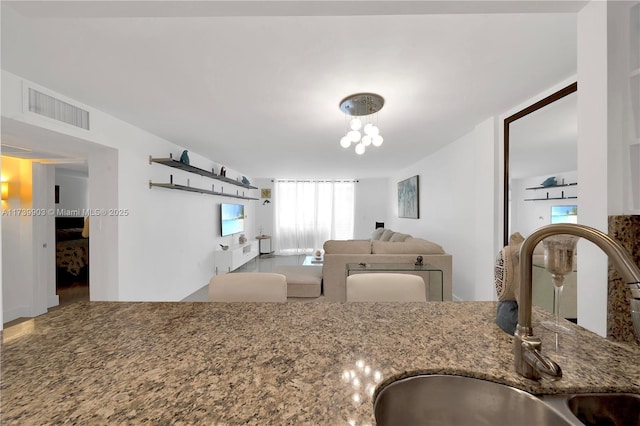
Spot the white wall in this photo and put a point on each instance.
(18, 272)
(29, 262)
(264, 222)
(457, 208)
(593, 162)
(44, 241)
(163, 248)
(371, 206)
(623, 107)
(74, 190)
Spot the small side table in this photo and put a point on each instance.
(265, 244)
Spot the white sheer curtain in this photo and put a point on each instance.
(310, 212)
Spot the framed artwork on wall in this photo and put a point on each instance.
(265, 193)
(408, 200)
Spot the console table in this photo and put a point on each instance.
(432, 276)
(235, 256)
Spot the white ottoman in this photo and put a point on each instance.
(302, 281)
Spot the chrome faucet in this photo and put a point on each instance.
(528, 358)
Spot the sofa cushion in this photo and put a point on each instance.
(375, 235)
(386, 235)
(409, 246)
(399, 237)
(347, 247)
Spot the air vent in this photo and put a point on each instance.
(58, 110)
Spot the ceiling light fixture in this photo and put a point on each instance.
(363, 108)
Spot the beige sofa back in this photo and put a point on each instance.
(335, 268)
(385, 246)
(408, 246)
(347, 247)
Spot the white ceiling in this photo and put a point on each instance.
(545, 141)
(256, 85)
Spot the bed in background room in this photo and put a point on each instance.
(72, 252)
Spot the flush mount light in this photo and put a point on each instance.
(363, 109)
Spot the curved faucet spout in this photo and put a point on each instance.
(618, 255)
(540, 362)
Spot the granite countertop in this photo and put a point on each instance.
(270, 364)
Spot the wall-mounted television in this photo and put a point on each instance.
(564, 214)
(231, 218)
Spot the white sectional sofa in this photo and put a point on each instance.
(385, 246)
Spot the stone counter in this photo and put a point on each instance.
(269, 364)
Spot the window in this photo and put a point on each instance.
(310, 212)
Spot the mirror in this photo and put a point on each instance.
(540, 181)
(539, 140)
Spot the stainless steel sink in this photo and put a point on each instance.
(456, 400)
(610, 409)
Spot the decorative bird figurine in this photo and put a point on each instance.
(184, 158)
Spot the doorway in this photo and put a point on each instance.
(71, 198)
(29, 276)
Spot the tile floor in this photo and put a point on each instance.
(259, 264)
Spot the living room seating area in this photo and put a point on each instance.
(387, 253)
(384, 247)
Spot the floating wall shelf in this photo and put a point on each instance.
(199, 190)
(551, 186)
(550, 198)
(170, 162)
(561, 197)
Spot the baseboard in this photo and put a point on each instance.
(15, 313)
(53, 301)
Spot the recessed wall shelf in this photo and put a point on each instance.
(170, 162)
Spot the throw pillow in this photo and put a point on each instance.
(375, 235)
(399, 237)
(386, 235)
